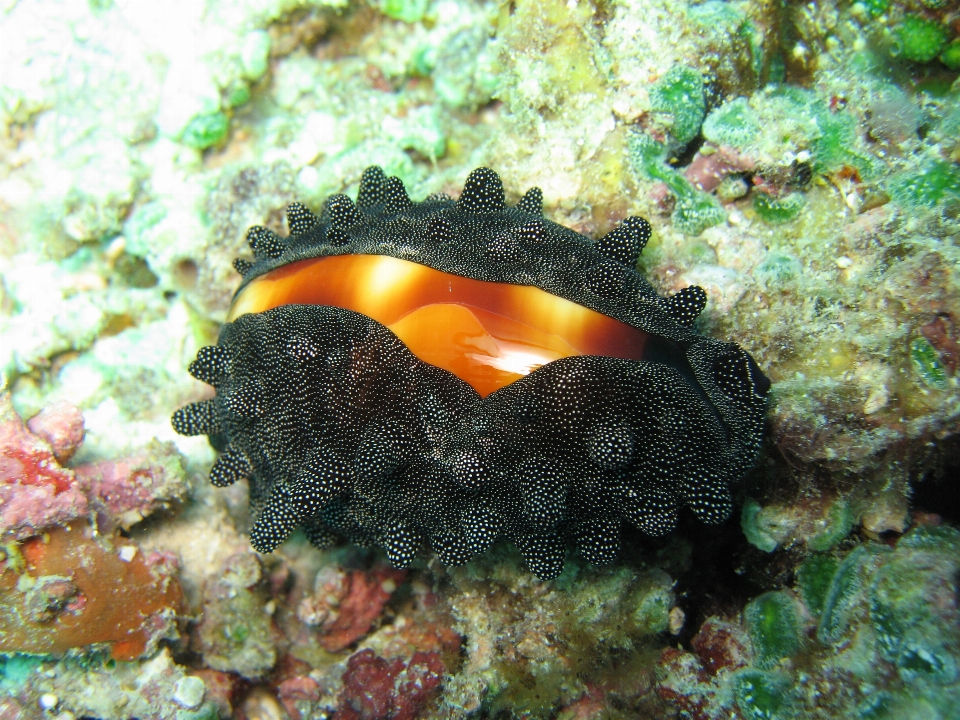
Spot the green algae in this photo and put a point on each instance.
(734, 123)
(886, 646)
(680, 96)
(204, 131)
(926, 187)
(694, 211)
(932, 537)
(207, 711)
(919, 39)
(732, 187)
(409, 11)
(774, 625)
(776, 210)
(951, 54)
(16, 669)
(755, 532)
(255, 54)
(908, 602)
(876, 8)
(758, 694)
(844, 593)
(424, 60)
(237, 94)
(813, 581)
(836, 145)
(782, 121)
(839, 522)
(777, 270)
(926, 364)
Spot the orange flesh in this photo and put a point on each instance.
(487, 334)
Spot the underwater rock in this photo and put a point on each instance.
(875, 632)
(236, 632)
(60, 425)
(375, 688)
(36, 492)
(345, 605)
(65, 590)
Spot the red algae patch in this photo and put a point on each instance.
(37, 493)
(364, 596)
(375, 688)
(34, 490)
(65, 590)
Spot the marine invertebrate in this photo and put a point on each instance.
(378, 688)
(563, 394)
(679, 95)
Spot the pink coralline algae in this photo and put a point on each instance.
(60, 425)
(297, 692)
(345, 605)
(375, 688)
(36, 492)
(708, 169)
(694, 683)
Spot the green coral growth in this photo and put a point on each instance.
(207, 711)
(237, 94)
(255, 54)
(753, 530)
(776, 271)
(844, 593)
(783, 121)
(839, 521)
(409, 11)
(734, 123)
(835, 146)
(774, 626)
(679, 95)
(813, 581)
(926, 363)
(906, 602)
(951, 54)
(205, 131)
(776, 210)
(919, 39)
(694, 210)
(875, 8)
(759, 694)
(926, 188)
(940, 538)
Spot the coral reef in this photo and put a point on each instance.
(534, 649)
(378, 689)
(872, 634)
(236, 631)
(797, 161)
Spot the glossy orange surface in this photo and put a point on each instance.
(488, 334)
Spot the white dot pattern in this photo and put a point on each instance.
(300, 219)
(340, 429)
